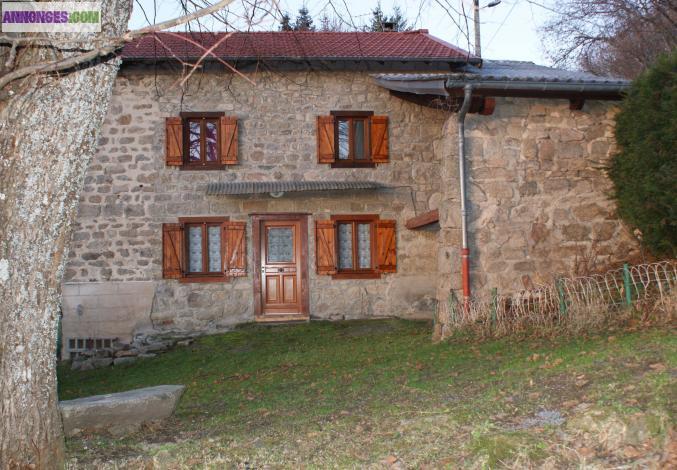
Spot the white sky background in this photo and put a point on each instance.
(509, 30)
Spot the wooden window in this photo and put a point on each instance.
(201, 141)
(352, 139)
(355, 246)
(204, 249)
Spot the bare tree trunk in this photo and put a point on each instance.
(48, 134)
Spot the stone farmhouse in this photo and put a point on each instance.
(301, 175)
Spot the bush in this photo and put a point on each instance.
(644, 172)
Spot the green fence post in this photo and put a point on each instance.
(562, 297)
(494, 305)
(627, 285)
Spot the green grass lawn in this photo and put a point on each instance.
(379, 393)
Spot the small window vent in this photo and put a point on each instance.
(89, 344)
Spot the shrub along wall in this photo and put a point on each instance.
(644, 171)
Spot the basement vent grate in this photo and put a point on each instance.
(89, 344)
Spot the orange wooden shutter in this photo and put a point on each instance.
(325, 246)
(174, 141)
(325, 139)
(172, 251)
(235, 259)
(228, 131)
(386, 246)
(379, 139)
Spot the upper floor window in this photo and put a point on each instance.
(197, 141)
(352, 134)
(352, 139)
(203, 140)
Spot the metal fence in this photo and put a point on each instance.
(579, 300)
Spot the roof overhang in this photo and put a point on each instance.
(278, 188)
(444, 90)
(539, 89)
(255, 64)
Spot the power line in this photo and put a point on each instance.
(502, 23)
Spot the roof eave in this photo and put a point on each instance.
(454, 60)
(536, 88)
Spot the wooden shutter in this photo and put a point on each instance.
(174, 141)
(172, 251)
(325, 246)
(235, 247)
(379, 138)
(386, 246)
(325, 139)
(228, 130)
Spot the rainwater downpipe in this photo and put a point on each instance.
(465, 251)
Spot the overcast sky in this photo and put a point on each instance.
(509, 30)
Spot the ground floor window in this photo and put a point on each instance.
(203, 249)
(355, 240)
(204, 246)
(355, 246)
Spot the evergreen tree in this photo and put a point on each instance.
(285, 23)
(378, 19)
(644, 171)
(399, 19)
(304, 22)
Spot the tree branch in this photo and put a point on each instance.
(105, 50)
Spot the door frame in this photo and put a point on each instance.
(257, 223)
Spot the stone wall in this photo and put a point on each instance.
(129, 192)
(538, 195)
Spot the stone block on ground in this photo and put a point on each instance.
(118, 361)
(119, 413)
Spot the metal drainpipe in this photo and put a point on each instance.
(465, 252)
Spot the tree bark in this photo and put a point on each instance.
(48, 134)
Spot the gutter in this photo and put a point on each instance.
(542, 86)
(465, 251)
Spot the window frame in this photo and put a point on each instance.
(352, 162)
(205, 222)
(357, 273)
(203, 117)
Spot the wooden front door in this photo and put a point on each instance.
(281, 254)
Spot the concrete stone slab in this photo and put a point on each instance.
(120, 413)
(105, 310)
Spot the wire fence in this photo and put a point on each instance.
(577, 302)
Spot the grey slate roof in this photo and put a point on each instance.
(502, 73)
(262, 187)
(504, 70)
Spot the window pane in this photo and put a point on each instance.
(194, 249)
(358, 137)
(345, 241)
(194, 141)
(364, 245)
(210, 141)
(343, 140)
(214, 246)
(280, 247)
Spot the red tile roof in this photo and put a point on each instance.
(410, 45)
